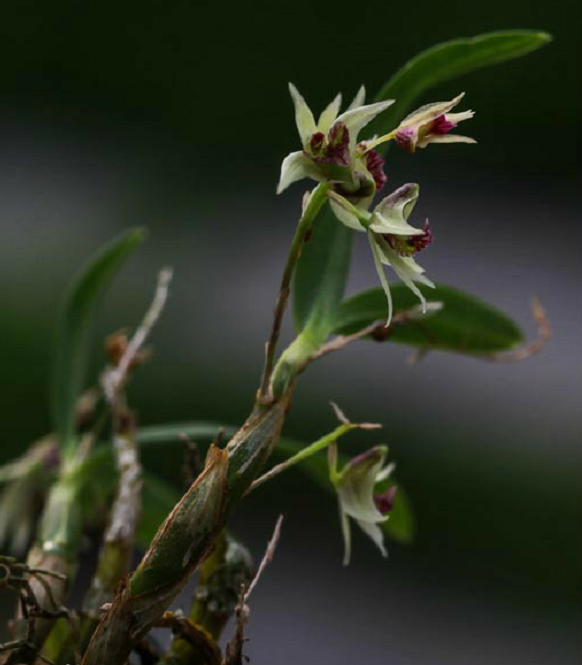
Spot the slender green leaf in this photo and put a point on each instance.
(73, 331)
(320, 279)
(465, 324)
(447, 61)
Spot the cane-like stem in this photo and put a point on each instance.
(314, 204)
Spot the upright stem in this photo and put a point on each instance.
(316, 201)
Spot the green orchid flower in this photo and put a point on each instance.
(394, 242)
(355, 485)
(330, 151)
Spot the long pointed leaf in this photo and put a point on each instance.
(447, 61)
(465, 324)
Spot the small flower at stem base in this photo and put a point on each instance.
(355, 486)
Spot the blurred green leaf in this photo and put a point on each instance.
(320, 279)
(465, 324)
(447, 61)
(73, 331)
(161, 434)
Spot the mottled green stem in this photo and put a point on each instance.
(215, 599)
(186, 538)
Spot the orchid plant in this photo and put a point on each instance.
(88, 471)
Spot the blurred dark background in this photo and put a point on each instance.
(176, 116)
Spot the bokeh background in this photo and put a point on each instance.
(176, 115)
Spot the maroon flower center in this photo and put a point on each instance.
(441, 125)
(375, 164)
(333, 149)
(385, 501)
(410, 245)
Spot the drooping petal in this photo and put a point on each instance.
(382, 276)
(303, 116)
(357, 118)
(407, 270)
(296, 166)
(346, 533)
(356, 485)
(359, 99)
(391, 214)
(329, 114)
(374, 532)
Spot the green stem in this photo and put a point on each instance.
(317, 446)
(316, 201)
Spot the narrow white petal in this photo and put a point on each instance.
(459, 117)
(385, 473)
(381, 275)
(359, 99)
(329, 115)
(408, 271)
(303, 116)
(429, 112)
(356, 119)
(347, 534)
(296, 166)
(445, 138)
(374, 532)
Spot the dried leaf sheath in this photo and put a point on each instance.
(119, 539)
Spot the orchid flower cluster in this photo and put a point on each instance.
(332, 153)
(88, 470)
